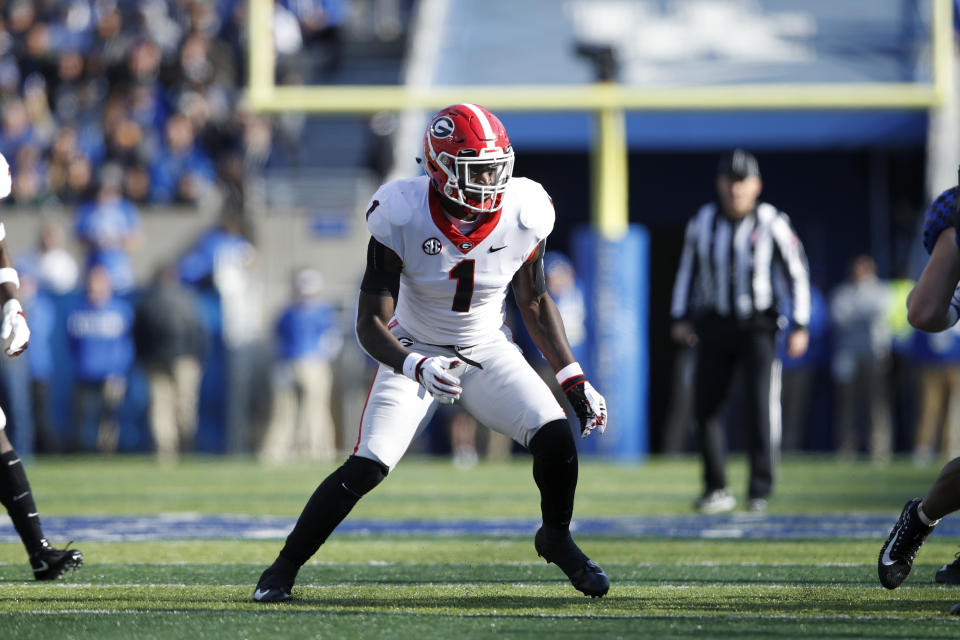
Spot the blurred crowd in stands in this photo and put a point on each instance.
(144, 368)
(149, 92)
(146, 92)
(107, 109)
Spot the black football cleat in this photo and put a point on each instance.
(561, 550)
(898, 552)
(949, 573)
(50, 563)
(276, 582)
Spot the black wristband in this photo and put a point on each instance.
(572, 382)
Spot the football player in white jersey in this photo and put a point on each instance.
(444, 249)
(48, 563)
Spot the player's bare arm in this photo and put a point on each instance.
(928, 304)
(540, 313)
(373, 314)
(542, 320)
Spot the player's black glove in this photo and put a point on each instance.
(589, 405)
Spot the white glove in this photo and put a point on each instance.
(434, 375)
(14, 332)
(6, 180)
(590, 407)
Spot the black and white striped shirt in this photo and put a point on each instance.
(728, 266)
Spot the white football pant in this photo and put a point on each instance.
(506, 395)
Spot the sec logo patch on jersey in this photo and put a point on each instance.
(432, 246)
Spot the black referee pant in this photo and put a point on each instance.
(724, 344)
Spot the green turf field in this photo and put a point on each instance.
(370, 586)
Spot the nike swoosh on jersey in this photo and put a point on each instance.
(495, 249)
(886, 559)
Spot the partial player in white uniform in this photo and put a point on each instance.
(444, 249)
(48, 563)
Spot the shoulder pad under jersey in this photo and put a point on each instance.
(388, 207)
(536, 207)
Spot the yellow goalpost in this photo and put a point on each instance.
(609, 101)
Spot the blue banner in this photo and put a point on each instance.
(615, 275)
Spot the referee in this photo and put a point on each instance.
(724, 302)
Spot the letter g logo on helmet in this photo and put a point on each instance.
(442, 127)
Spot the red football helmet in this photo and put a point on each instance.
(468, 157)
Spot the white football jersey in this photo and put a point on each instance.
(453, 287)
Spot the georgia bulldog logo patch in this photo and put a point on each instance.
(432, 246)
(466, 245)
(442, 127)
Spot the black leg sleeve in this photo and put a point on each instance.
(16, 496)
(555, 472)
(329, 505)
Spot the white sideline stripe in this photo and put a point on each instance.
(422, 614)
(773, 586)
(513, 563)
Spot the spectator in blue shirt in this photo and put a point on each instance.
(110, 229)
(565, 289)
(100, 331)
(16, 130)
(308, 338)
(221, 266)
(49, 261)
(182, 172)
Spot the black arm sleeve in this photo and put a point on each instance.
(382, 276)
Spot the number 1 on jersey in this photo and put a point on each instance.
(463, 274)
